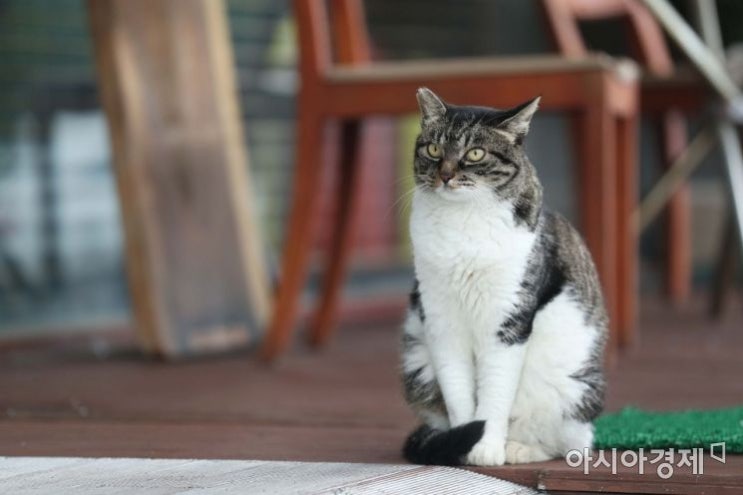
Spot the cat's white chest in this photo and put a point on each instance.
(470, 259)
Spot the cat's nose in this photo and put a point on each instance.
(446, 176)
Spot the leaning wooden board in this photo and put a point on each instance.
(196, 272)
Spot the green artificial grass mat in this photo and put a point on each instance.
(632, 428)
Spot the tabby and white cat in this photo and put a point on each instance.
(503, 343)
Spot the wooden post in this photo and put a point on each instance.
(196, 273)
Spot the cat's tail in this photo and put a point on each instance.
(428, 445)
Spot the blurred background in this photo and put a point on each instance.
(61, 255)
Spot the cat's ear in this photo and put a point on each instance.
(432, 107)
(518, 119)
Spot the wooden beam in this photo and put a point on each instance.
(196, 272)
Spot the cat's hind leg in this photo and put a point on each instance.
(544, 426)
(544, 440)
(561, 389)
(521, 453)
(533, 437)
(576, 435)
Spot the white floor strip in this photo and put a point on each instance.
(83, 476)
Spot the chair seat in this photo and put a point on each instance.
(625, 69)
(387, 87)
(684, 75)
(685, 90)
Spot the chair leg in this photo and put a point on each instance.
(298, 240)
(596, 139)
(348, 196)
(725, 268)
(627, 246)
(678, 222)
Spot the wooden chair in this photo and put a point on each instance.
(662, 95)
(600, 92)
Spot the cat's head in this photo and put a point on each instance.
(465, 152)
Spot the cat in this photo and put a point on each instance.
(502, 347)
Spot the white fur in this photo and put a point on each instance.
(470, 258)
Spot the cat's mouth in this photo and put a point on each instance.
(450, 190)
(450, 185)
(453, 191)
(455, 185)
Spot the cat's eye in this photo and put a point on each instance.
(475, 155)
(434, 150)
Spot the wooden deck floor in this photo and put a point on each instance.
(342, 404)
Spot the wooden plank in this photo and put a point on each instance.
(81, 475)
(203, 439)
(557, 477)
(196, 272)
(682, 482)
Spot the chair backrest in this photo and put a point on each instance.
(320, 28)
(336, 31)
(647, 43)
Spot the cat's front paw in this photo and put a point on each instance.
(487, 452)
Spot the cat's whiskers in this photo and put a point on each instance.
(404, 178)
(406, 199)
